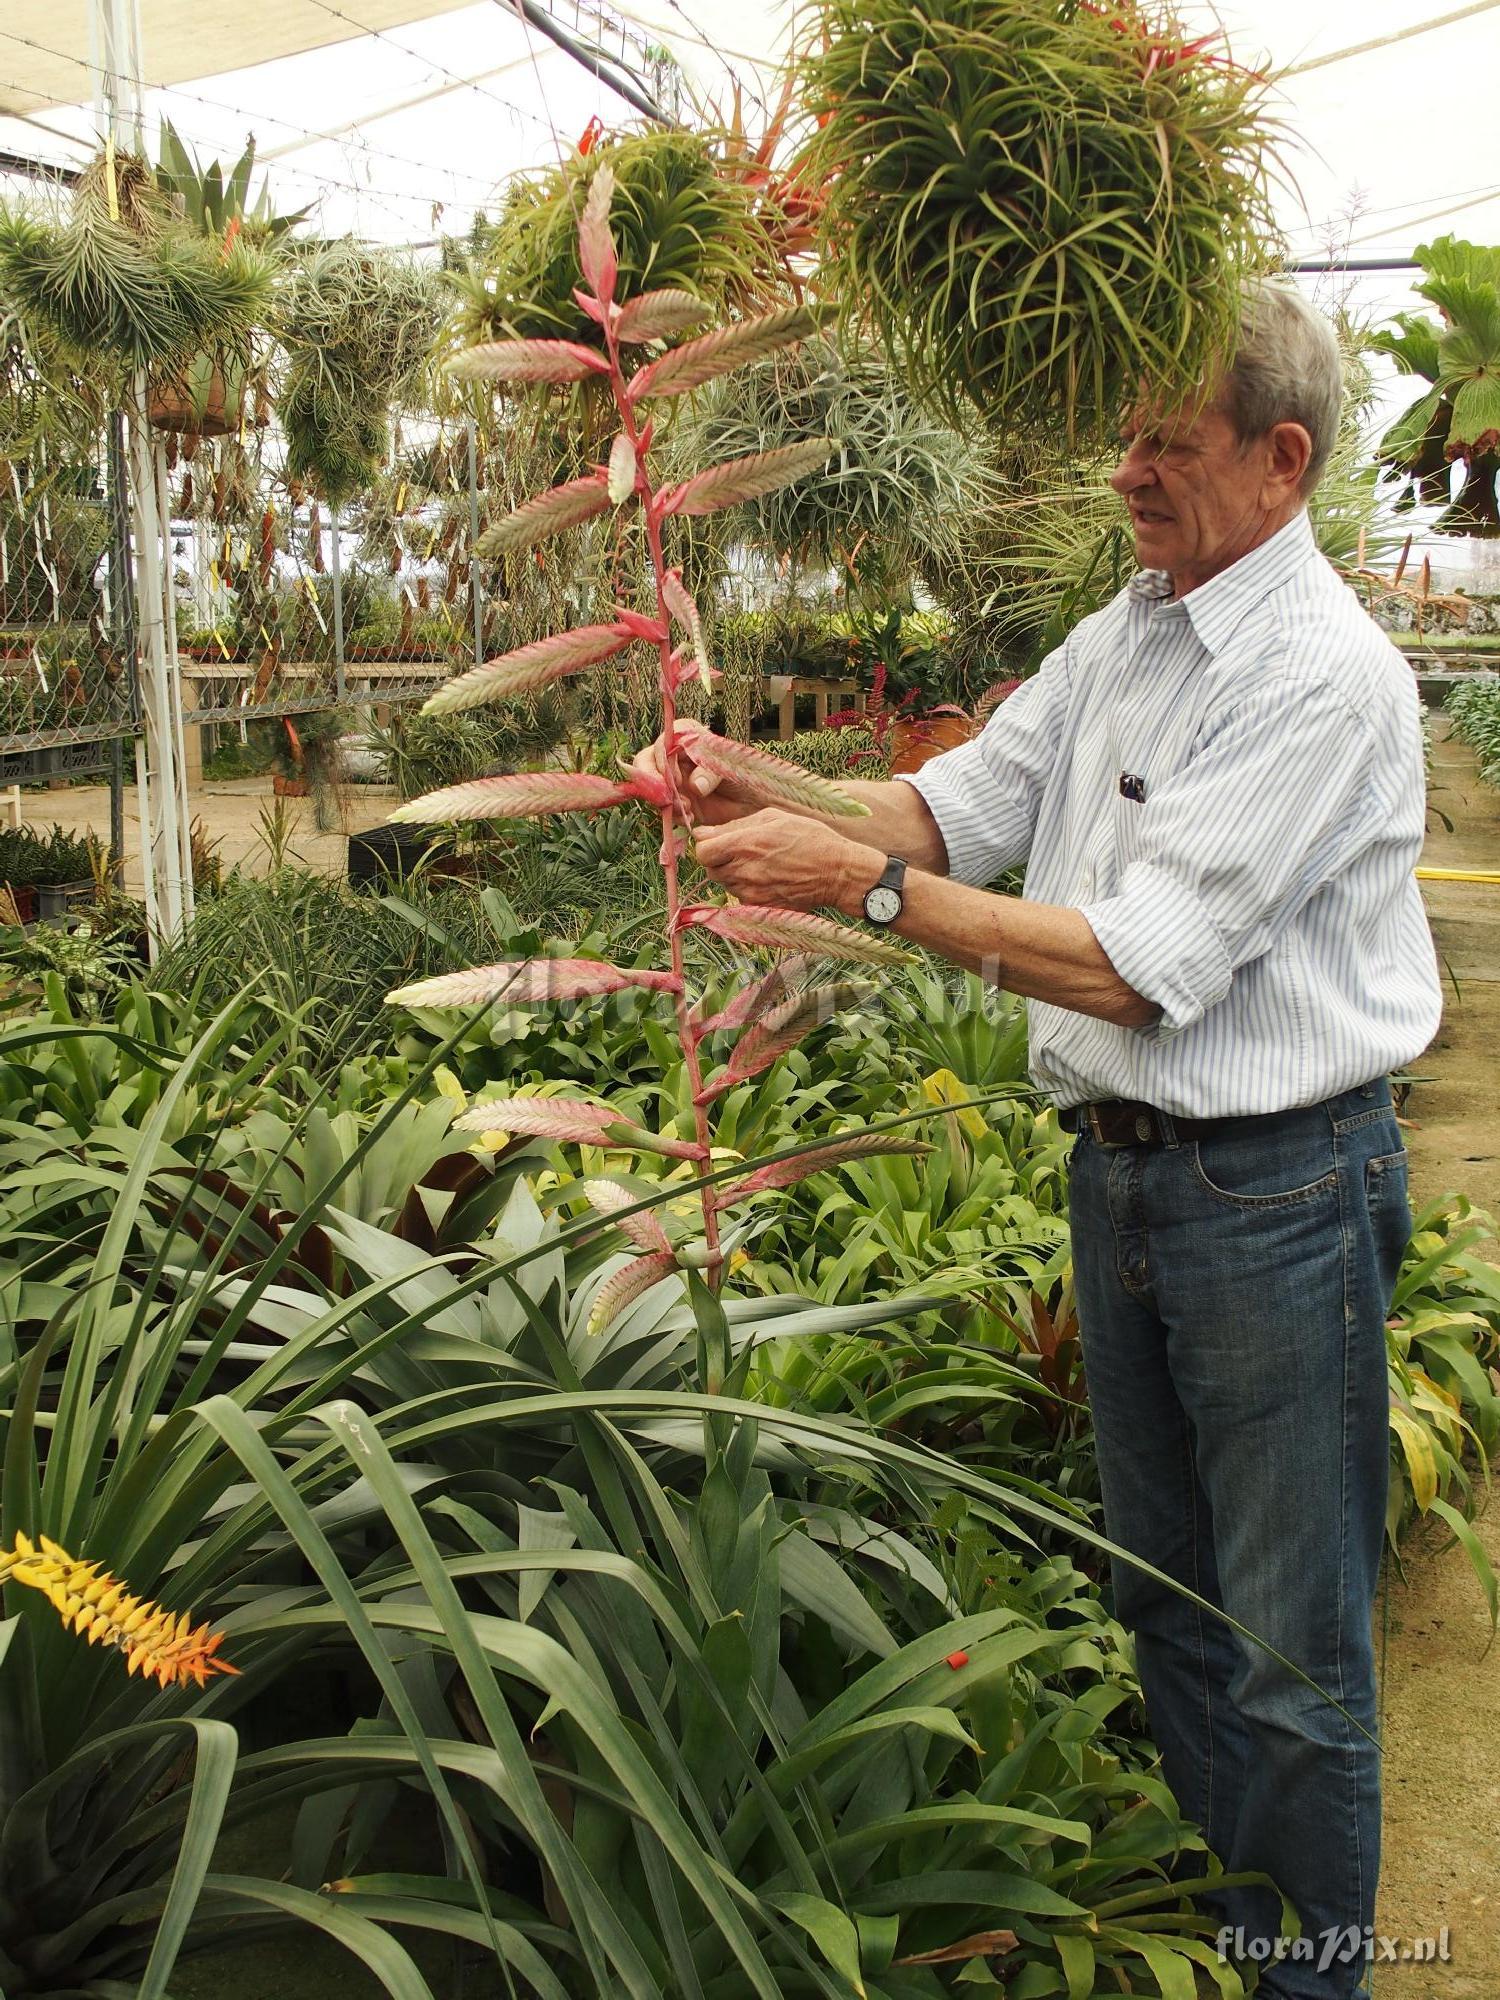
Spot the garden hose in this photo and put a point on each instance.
(1489, 875)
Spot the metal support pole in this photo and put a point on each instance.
(183, 812)
(122, 619)
(160, 803)
(338, 608)
(476, 581)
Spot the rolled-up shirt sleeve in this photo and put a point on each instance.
(1271, 804)
(986, 794)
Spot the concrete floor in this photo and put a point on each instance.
(232, 811)
(1441, 1682)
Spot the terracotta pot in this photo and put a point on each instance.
(169, 406)
(290, 788)
(915, 739)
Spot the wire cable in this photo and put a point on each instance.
(1388, 41)
(275, 118)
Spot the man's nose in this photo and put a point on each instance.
(1136, 469)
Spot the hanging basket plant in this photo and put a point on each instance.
(895, 493)
(1040, 205)
(357, 325)
(1456, 420)
(124, 282)
(685, 224)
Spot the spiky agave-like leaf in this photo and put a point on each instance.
(527, 361)
(658, 315)
(620, 477)
(791, 930)
(776, 780)
(778, 1031)
(529, 982)
(643, 1228)
(739, 479)
(858, 1146)
(549, 513)
(524, 795)
(528, 668)
(726, 348)
(596, 246)
(627, 1285)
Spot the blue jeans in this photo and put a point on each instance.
(1232, 1295)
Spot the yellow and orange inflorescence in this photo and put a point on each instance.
(92, 1602)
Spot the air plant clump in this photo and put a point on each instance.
(681, 226)
(357, 325)
(125, 281)
(779, 1012)
(1039, 205)
(902, 478)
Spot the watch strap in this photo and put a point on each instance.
(892, 876)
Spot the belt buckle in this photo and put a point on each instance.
(1096, 1125)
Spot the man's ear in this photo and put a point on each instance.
(1289, 454)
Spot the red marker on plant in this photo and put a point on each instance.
(957, 1660)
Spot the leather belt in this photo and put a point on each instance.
(1121, 1122)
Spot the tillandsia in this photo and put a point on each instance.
(773, 1014)
(164, 1644)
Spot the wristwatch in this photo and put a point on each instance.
(885, 902)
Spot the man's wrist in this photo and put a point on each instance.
(863, 868)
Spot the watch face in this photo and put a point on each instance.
(883, 905)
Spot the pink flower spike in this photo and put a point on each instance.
(644, 1228)
(818, 1159)
(790, 930)
(572, 1118)
(528, 361)
(530, 982)
(596, 247)
(627, 1285)
(528, 667)
(526, 795)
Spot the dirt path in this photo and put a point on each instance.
(1441, 1689)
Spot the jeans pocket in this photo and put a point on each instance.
(1265, 1173)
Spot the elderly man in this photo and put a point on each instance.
(1218, 785)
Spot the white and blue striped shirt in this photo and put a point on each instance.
(1230, 786)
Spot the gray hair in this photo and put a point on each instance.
(1287, 370)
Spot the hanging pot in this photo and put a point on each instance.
(182, 404)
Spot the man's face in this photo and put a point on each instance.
(1199, 499)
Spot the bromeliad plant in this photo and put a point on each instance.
(770, 1016)
(1457, 419)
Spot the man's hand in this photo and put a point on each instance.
(714, 800)
(770, 856)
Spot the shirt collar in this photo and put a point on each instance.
(1216, 607)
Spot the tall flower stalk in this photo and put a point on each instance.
(772, 1014)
